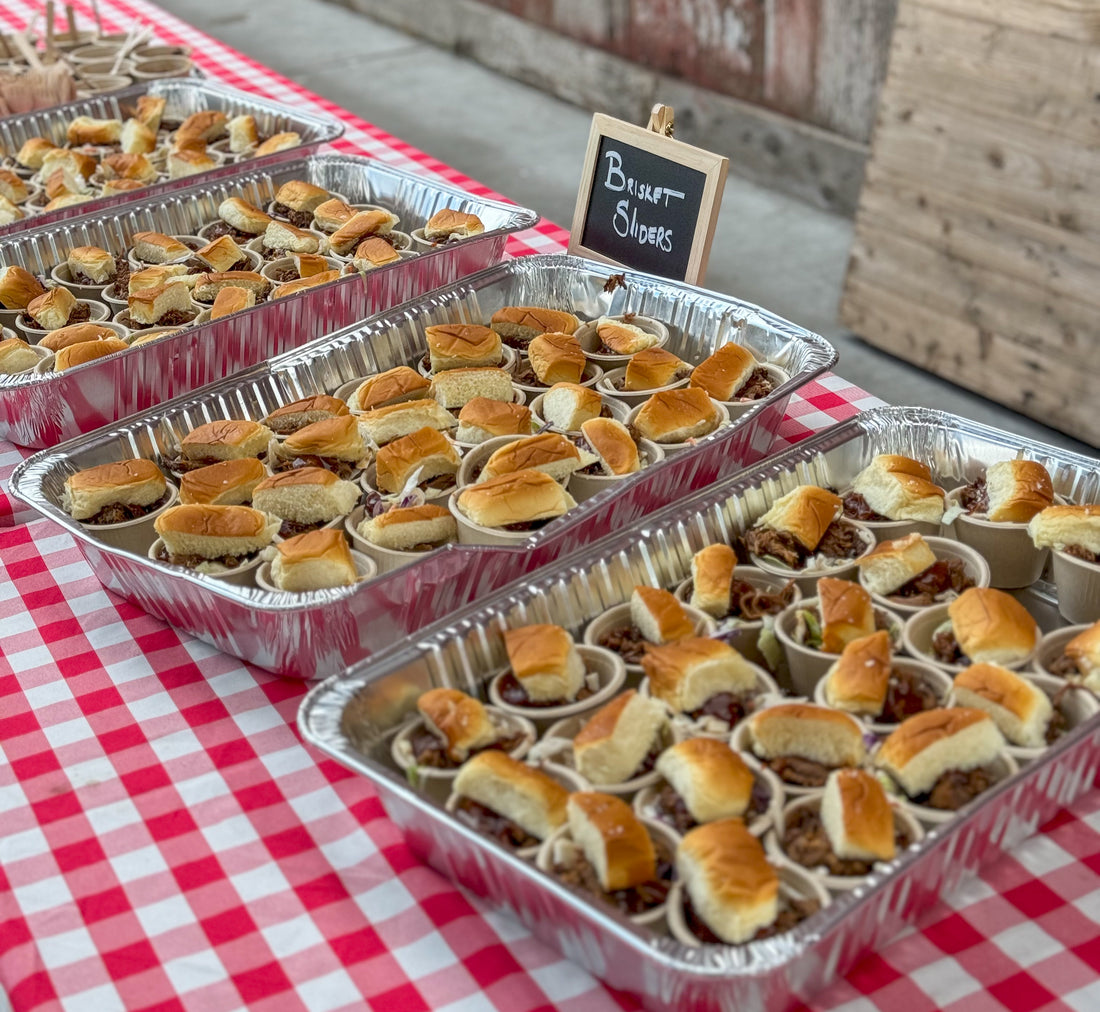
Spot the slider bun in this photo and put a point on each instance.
(206, 124)
(653, 368)
(156, 277)
(86, 130)
(546, 662)
(624, 338)
(225, 439)
(927, 745)
(130, 482)
(158, 248)
(892, 564)
(805, 512)
(316, 560)
(1084, 648)
(282, 235)
(1018, 489)
(857, 817)
(711, 575)
(859, 680)
(427, 450)
(455, 387)
(97, 263)
(89, 351)
(675, 416)
(137, 138)
(310, 265)
(291, 417)
(1059, 526)
(523, 497)
(221, 254)
(214, 531)
(361, 224)
(454, 345)
(556, 358)
(227, 483)
(16, 356)
(332, 213)
(568, 406)
(847, 613)
(612, 838)
(1019, 708)
(208, 285)
(9, 212)
(52, 310)
(12, 187)
(659, 616)
(900, 488)
(128, 166)
(391, 387)
(992, 626)
(392, 421)
(549, 452)
(811, 732)
(149, 109)
(685, 674)
(33, 152)
(483, 418)
(313, 281)
(76, 333)
(67, 200)
(612, 443)
(526, 796)
(728, 879)
(299, 195)
(18, 287)
(189, 163)
(243, 135)
(339, 437)
(459, 720)
(305, 495)
(231, 300)
(448, 222)
(243, 216)
(402, 529)
(278, 142)
(523, 323)
(150, 305)
(713, 780)
(373, 252)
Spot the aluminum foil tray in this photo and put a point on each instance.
(183, 96)
(312, 635)
(375, 698)
(43, 409)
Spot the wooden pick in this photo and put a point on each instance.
(661, 120)
(26, 50)
(98, 19)
(50, 15)
(70, 20)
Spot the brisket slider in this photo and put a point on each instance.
(392, 421)
(87, 351)
(18, 287)
(338, 444)
(610, 441)
(617, 337)
(76, 333)
(702, 678)
(315, 560)
(1019, 708)
(1074, 530)
(450, 225)
(454, 727)
(213, 539)
(427, 453)
(454, 388)
(519, 325)
(296, 200)
(231, 299)
(732, 373)
(567, 406)
(297, 415)
(482, 419)
(654, 368)
(985, 626)
(90, 265)
(518, 503)
(801, 743)
(1012, 491)
(224, 439)
(545, 664)
(114, 493)
(549, 452)
(226, 483)
(305, 498)
(16, 356)
(895, 488)
(677, 416)
(556, 358)
(410, 528)
(706, 781)
(395, 386)
(462, 345)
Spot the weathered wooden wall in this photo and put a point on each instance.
(977, 244)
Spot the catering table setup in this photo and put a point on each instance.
(203, 799)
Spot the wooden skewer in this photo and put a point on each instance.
(4, 43)
(98, 19)
(26, 50)
(50, 14)
(70, 19)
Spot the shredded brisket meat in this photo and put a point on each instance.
(907, 694)
(759, 384)
(299, 219)
(489, 823)
(1082, 553)
(430, 751)
(946, 649)
(636, 900)
(956, 788)
(856, 508)
(974, 498)
(791, 912)
(513, 693)
(778, 544)
(669, 807)
(627, 641)
(806, 842)
(342, 468)
(793, 769)
(943, 576)
(118, 513)
(193, 561)
(725, 706)
(1065, 667)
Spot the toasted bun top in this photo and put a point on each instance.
(205, 484)
(536, 318)
(731, 864)
(857, 816)
(847, 612)
(1085, 648)
(668, 410)
(723, 373)
(923, 730)
(87, 351)
(1059, 526)
(462, 340)
(222, 431)
(314, 403)
(410, 515)
(212, 521)
(117, 475)
(858, 682)
(330, 437)
(533, 649)
(621, 845)
(991, 625)
(316, 477)
(665, 610)
(326, 543)
(1000, 686)
(1018, 489)
(532, 452)
(613, 442)
(389, 386)
(514, 499)
(806, 512)
(461, 719)
(498, 418)
(76, 333)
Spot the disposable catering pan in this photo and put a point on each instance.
(183, 96)
(311, 635)
(42, 409)
(354, 716)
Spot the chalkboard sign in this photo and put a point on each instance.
(647, 201)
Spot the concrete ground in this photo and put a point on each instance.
(769, 249)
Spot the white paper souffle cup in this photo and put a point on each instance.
(945, 549)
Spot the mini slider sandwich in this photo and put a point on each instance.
(618, 337)
(1080, 659)
(549, 452)
(18, 287)
(518, 503)
(1012, 491)
(717, 590)
(205, 125)
(12, 188)
(227, 483)
(454, 388)
(54, 310)
(87, 351)
(114, 493)
(167, 306)
(128, 166)
(656, 617)
(158, 248)
(410, 528)
(802, 743)
(517, 805)
(223, 254)
(137, 138)
(1074, 530)
(315, 560)
(546, 669)
(1021, 710)
(305, 282)
(86, 130)
(860, 682)
(16, 356)
(376, 222)
(519, 325)
(336, 444)
(614, 448)
(906, 570)
(213, 539)
(189, 162)
(803, 530)
(449, 225)
(483, 418)
(705, 780)
(90, 265)
(844, 612)
(281, 238)
(207, 286)
(76, 333)
(297, 415)
(279, 142)
(705, 679)
(305, 498)
(942, 758)
(427, 453)
(459, 345)
(395, 386)
(392, 421)
(985, 626)
(653, 368)
(893, 487)
(456, 726)
(374, 252)
(567, 406)
(223, 439)
(230, 300)
(677, 416)
(553, 358)
(296, 200)
(240, 219)
(330, 214)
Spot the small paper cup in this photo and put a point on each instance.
(89, 293)
(606, 386)
(1007, 548)
(807, 665)
(436, 783)
(585, 486)
(271, 269)
(591, 377)
(242, 576)
(944, 549)
(917, 634)
(904, 823)
(619, 411)
(1078, 584)
(589, 339)
(644, 803)
(794, 882)
(1003, 767)
(470, 533)
(158, 51)
(671, 448)
(99, 313)
(737, 408)
(605, 665)
(133, 535)
(365, 569)
(159, 67)
(386, 559)
(653, 918)
(806, 579)
(938, 679)
(1052, 646)
(618, 617)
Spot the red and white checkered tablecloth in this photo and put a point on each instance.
(167, 842)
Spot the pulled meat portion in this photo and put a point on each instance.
(805, 841)
(751, 604)
(291, 528)
(341, 468)
(946, 649)
(194, 561)
(840, 541)
(80, 313)
(792, 911)
(759, 384)
(974, 498)
(489, 823)
(636, 900)
(856, 508)
(907, 693)
(957, 788)
(1082, 553)
(627, 641)
(119, 513)
(725, 706)
(793, 769)
(942, 577)
(220, 228)
(529, 378)
(512, 692)
(1065, 667)
(431, 751)
(299, 219)
(670, 808)
(528, 525)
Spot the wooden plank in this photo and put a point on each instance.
(1078, 20)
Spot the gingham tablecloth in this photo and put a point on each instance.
(167, 842)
